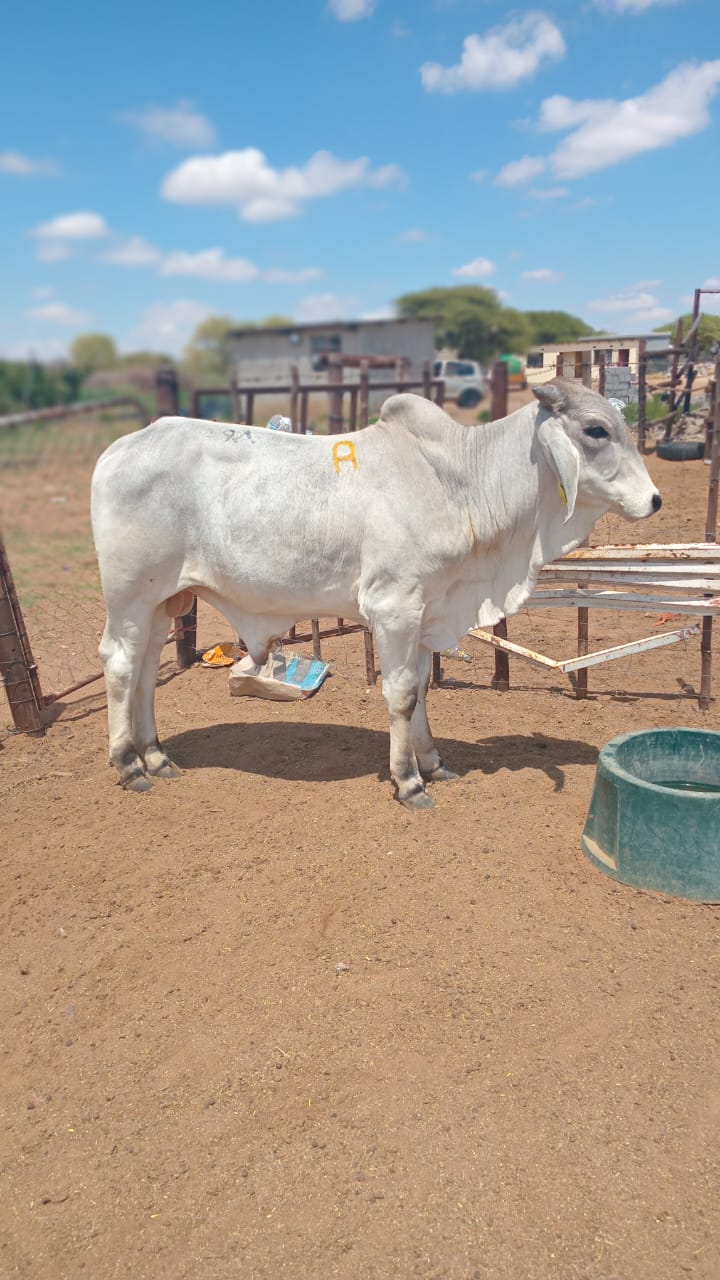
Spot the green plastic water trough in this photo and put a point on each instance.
(654, 819)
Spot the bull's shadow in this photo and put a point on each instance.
(332, 752)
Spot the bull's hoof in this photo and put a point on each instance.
(138, 782)
(417, 800)
(166, 770)
(441, 774)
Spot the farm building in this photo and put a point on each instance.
(264, 356)
(621, 354)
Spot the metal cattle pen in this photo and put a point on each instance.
(697, 566)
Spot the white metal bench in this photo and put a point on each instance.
(677, 579)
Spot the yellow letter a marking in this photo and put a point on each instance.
(344, 451)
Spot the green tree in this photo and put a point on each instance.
(470, 319)
(28, 385)
(208, 356)
(556, 326)
(92, 351)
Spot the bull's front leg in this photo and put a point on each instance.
(397, 647)
(430, 762)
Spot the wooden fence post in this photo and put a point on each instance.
(167, 392)
(186, 637)
(335, 395)
(294, 397)
(499, 401)
(18, 671)
(583, 615)
(642, 394)
(364, 408)
(499, 409)
(674, 378)
(711, 536)
(168, 403)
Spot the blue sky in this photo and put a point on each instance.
(162, 162)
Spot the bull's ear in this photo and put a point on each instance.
(564, 459)
(552, 396)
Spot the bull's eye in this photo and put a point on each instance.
(596, 433)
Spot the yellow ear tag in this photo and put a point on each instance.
(562, 493)
(347, 454)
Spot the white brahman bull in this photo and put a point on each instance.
(416, 526)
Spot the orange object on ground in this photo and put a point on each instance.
(222, 655)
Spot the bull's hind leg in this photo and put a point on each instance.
(157, 761)
(122, 651)
(398, 653)
(430, 762)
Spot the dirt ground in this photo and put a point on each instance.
(264, 1022)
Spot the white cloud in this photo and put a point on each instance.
(634, 307)
(399, 30)
(351, 10)
(632, 6)
(478, 269)
(501, 58)
(180, 125)
(518, 172)
(479, 175)
(58, 313)
(413, 236)
(43, 291)
(52, 237)
(675, 108)
(263, 194)
(587, 202)
(548, 193)
(544, 275)
(211, 264)
(22, 166)
(208, 264)
(167, 326)
(605, 132)
(135, 252)
(325, 306)
(712, 282)
(72, 226)
(52, 251)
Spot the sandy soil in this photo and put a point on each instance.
(264, 1022)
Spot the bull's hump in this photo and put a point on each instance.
(415, 413)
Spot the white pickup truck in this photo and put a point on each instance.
(465, 381)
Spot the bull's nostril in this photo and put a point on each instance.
(656, 502)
